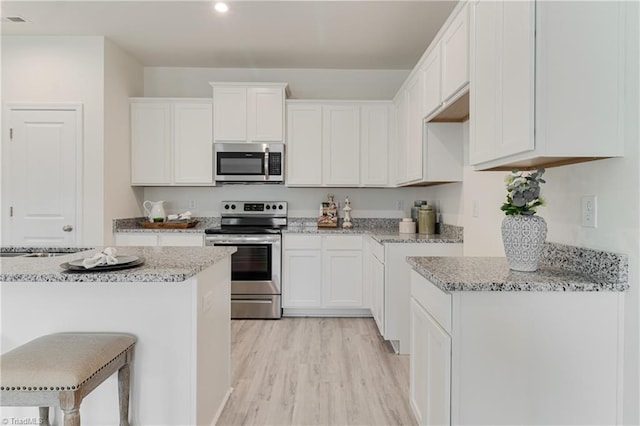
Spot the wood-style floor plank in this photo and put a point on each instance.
(315, 371)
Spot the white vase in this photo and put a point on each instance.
(523, 238)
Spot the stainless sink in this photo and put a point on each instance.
(47, 254)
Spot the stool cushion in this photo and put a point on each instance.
(62, 361)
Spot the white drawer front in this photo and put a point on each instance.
(343, 242)
(302, 242)
(432, 299)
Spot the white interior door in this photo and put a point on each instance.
(43, 178)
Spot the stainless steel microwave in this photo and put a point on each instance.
(249, 162)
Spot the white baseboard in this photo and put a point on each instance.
(318, 312)
(221, 408)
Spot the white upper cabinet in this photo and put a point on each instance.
(455, 55)
(415, 116)
(341, 144)
(246, 112)
(532, 64)
(151, 142)
(304, 144)
(171, 141)
(375, 138)
(338, 143)
(432, 73)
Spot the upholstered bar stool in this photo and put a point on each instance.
(59, 370)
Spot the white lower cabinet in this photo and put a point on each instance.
(168, 239)
(515, 357)
(323, 275)
(430, 365)
(390, 286)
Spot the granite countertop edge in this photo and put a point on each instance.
(162, 265)
(453, 274)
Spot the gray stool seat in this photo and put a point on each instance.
(58, 370)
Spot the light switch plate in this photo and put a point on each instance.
(589, 211)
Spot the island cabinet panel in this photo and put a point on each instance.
(531, 64)
(515, 357)
(323, 276)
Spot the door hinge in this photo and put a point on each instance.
(11, 211)
(10, 134)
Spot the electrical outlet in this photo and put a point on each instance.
(589, 211)
(192, 204)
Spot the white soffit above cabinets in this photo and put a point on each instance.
(253, 34)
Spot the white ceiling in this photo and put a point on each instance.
(253, 34)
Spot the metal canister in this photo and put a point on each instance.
(426, 220)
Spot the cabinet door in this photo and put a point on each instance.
(377, 293)
(304, 144)
(402, 123)
(485, 81)
(302, 279)
(340, 144)
(431, 72)
(193, 143)
(455, 55)
(229, 114)
(342, 278)
(430, 369)
(265, 111)
(374, 145)
(150, 143)
(414, 129)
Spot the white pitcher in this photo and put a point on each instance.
(155, 211)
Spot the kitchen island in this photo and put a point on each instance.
(494, 346)
(177, 304)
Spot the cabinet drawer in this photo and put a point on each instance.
(432, 299)
(377, 249)
(302, 242)
(343, 242)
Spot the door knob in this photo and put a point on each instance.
(67, 228)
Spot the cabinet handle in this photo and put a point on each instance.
(67, 228)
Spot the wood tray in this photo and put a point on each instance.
(169, 225)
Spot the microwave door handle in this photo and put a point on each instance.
(266, 163)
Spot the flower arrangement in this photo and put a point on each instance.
(523, 192)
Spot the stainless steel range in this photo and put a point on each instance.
(254, 227)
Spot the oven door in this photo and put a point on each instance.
(256, 266)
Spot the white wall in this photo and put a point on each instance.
(303, 83)
(62, 69)
(123, 77)
(303, 202)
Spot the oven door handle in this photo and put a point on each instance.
(243, 240)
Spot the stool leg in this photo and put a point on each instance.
(123, 393)
(70, 406)
(44, 416)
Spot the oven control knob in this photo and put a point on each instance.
(274, 206)
(268, 206)
(226, 206)
(233, 206)
(280, 207)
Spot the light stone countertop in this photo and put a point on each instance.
(493, 274)
(162, 264)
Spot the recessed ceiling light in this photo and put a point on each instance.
(221, 7)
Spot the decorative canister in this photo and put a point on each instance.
(426, 220)
(407, 226)
(416, 208)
